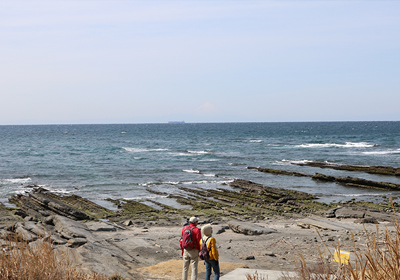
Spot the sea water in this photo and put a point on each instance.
(124, 161)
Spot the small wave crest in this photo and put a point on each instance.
(387, 152)
(285, 161)
(141, 150)
(334, 145)
(255, 141)
(191, 171)
(190, 153)
(16, 180)
(198, 152)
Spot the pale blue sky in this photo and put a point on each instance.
(65, 62)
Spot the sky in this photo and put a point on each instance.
(89, 62)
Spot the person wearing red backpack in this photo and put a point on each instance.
(190, 246)
(213, 256)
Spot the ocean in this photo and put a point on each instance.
(125, 160)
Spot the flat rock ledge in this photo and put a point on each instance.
(361, 214)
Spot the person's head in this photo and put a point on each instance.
(194, 220)
(207, 230)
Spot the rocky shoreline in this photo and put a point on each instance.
(256, 226)
(380, 170)
(347, 181)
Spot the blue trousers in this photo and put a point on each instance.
(215, 267)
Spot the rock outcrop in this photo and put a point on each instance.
(347, 181)
(381, 170)
(357, 182)
(362, 214)
(248, 228)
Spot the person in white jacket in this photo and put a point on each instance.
(212, 262)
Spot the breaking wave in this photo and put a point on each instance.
(334, 145)
(139, 150)
(387, 152)
(16, 181)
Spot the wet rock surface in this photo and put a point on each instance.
(357, 182)
(381, 170)
(347, 181)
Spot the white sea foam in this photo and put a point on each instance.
(181, 154)
(141, 150)
(16, 181)
(209, 175)
(191, 171)
(196, 182)
(61, 191)
(387, 152)
(304, 161)
(205, 182)
(172, 183)
(329, 145)
(22, 191)
(134, 150)
(256, 141)
(198, 152)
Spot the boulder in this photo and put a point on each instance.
(100, 226)
(382, 217)
(349, 212)
(128, 223)
(331, 213)
(248, 229)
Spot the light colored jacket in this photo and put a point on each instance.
(212, 247)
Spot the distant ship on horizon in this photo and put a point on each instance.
(176, 122)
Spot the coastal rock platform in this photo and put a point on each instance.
(256, 227)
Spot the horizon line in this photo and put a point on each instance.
(183, 123)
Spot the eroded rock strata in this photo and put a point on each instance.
(347, 181)
(119, 241)
(381, 170)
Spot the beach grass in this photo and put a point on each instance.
(38, 260)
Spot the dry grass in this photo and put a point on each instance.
(20, 260)
(255, 276)
(381, 260)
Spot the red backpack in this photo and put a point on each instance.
(186, 238)
(203, 253)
